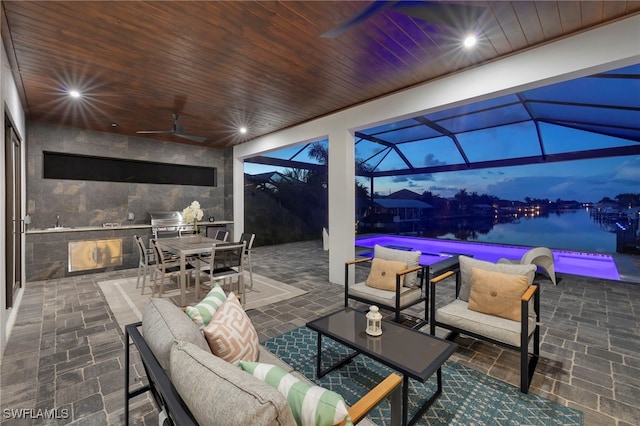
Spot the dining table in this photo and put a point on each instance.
(188, 246)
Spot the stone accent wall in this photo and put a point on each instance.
(87, 203)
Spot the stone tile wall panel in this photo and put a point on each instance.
(87, 203)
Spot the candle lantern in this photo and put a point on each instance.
(374, 321)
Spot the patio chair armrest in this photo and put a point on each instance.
(441, 277)
(354, 261)
(409, 270)
(360, 409)
(529, 293)
(432, 298)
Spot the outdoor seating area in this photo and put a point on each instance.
(222, 388)
(570, 361)
(495, 302)
(320, 213)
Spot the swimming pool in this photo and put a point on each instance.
(597, 265)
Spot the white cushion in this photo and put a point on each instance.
(384, 297)
(458, 315)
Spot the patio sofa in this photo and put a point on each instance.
(192, 386)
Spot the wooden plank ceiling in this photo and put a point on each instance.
(264, 65)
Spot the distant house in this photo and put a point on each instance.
(404, 194)
(405, 210)
(483, 209)
(387, 213)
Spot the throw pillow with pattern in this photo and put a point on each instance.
(311, 405)
(230, 333)
(202, 313)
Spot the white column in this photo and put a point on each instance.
(341, 201)
(238, 197)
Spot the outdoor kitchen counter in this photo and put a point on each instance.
(111, 228)
(47, 251)
(47, 254)
(86, 228)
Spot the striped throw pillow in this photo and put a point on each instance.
(202, 313)
(311, 405)
(231, 335)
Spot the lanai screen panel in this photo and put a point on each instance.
(599, 114)
(594, 116)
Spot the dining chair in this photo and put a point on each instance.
(225, 264)
(147, 259)
(205, 257)
(248, 239)
(221, 235)
(166, 267)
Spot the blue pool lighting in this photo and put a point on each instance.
(596, 265)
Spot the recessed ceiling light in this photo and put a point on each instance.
(243, 130)
(470, 41)
(74, 93)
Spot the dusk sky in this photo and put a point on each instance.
(586, 180)
(582, 115)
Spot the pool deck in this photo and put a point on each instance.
(628, 267)
(66, 349)
(615, 266)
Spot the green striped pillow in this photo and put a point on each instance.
(202, 313)
(310, 405)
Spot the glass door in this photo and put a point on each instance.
(13, 223)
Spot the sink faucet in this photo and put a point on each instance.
(58, 220)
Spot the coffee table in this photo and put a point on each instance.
(414, 354)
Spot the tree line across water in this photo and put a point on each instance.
(293, 205)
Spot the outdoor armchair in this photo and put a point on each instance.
(496, 303)
(401, 287)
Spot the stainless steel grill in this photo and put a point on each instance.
(168, 224)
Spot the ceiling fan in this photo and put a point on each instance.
(443, 13)
(177, 130)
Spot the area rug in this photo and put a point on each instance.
(126, 302)
(468, 397)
